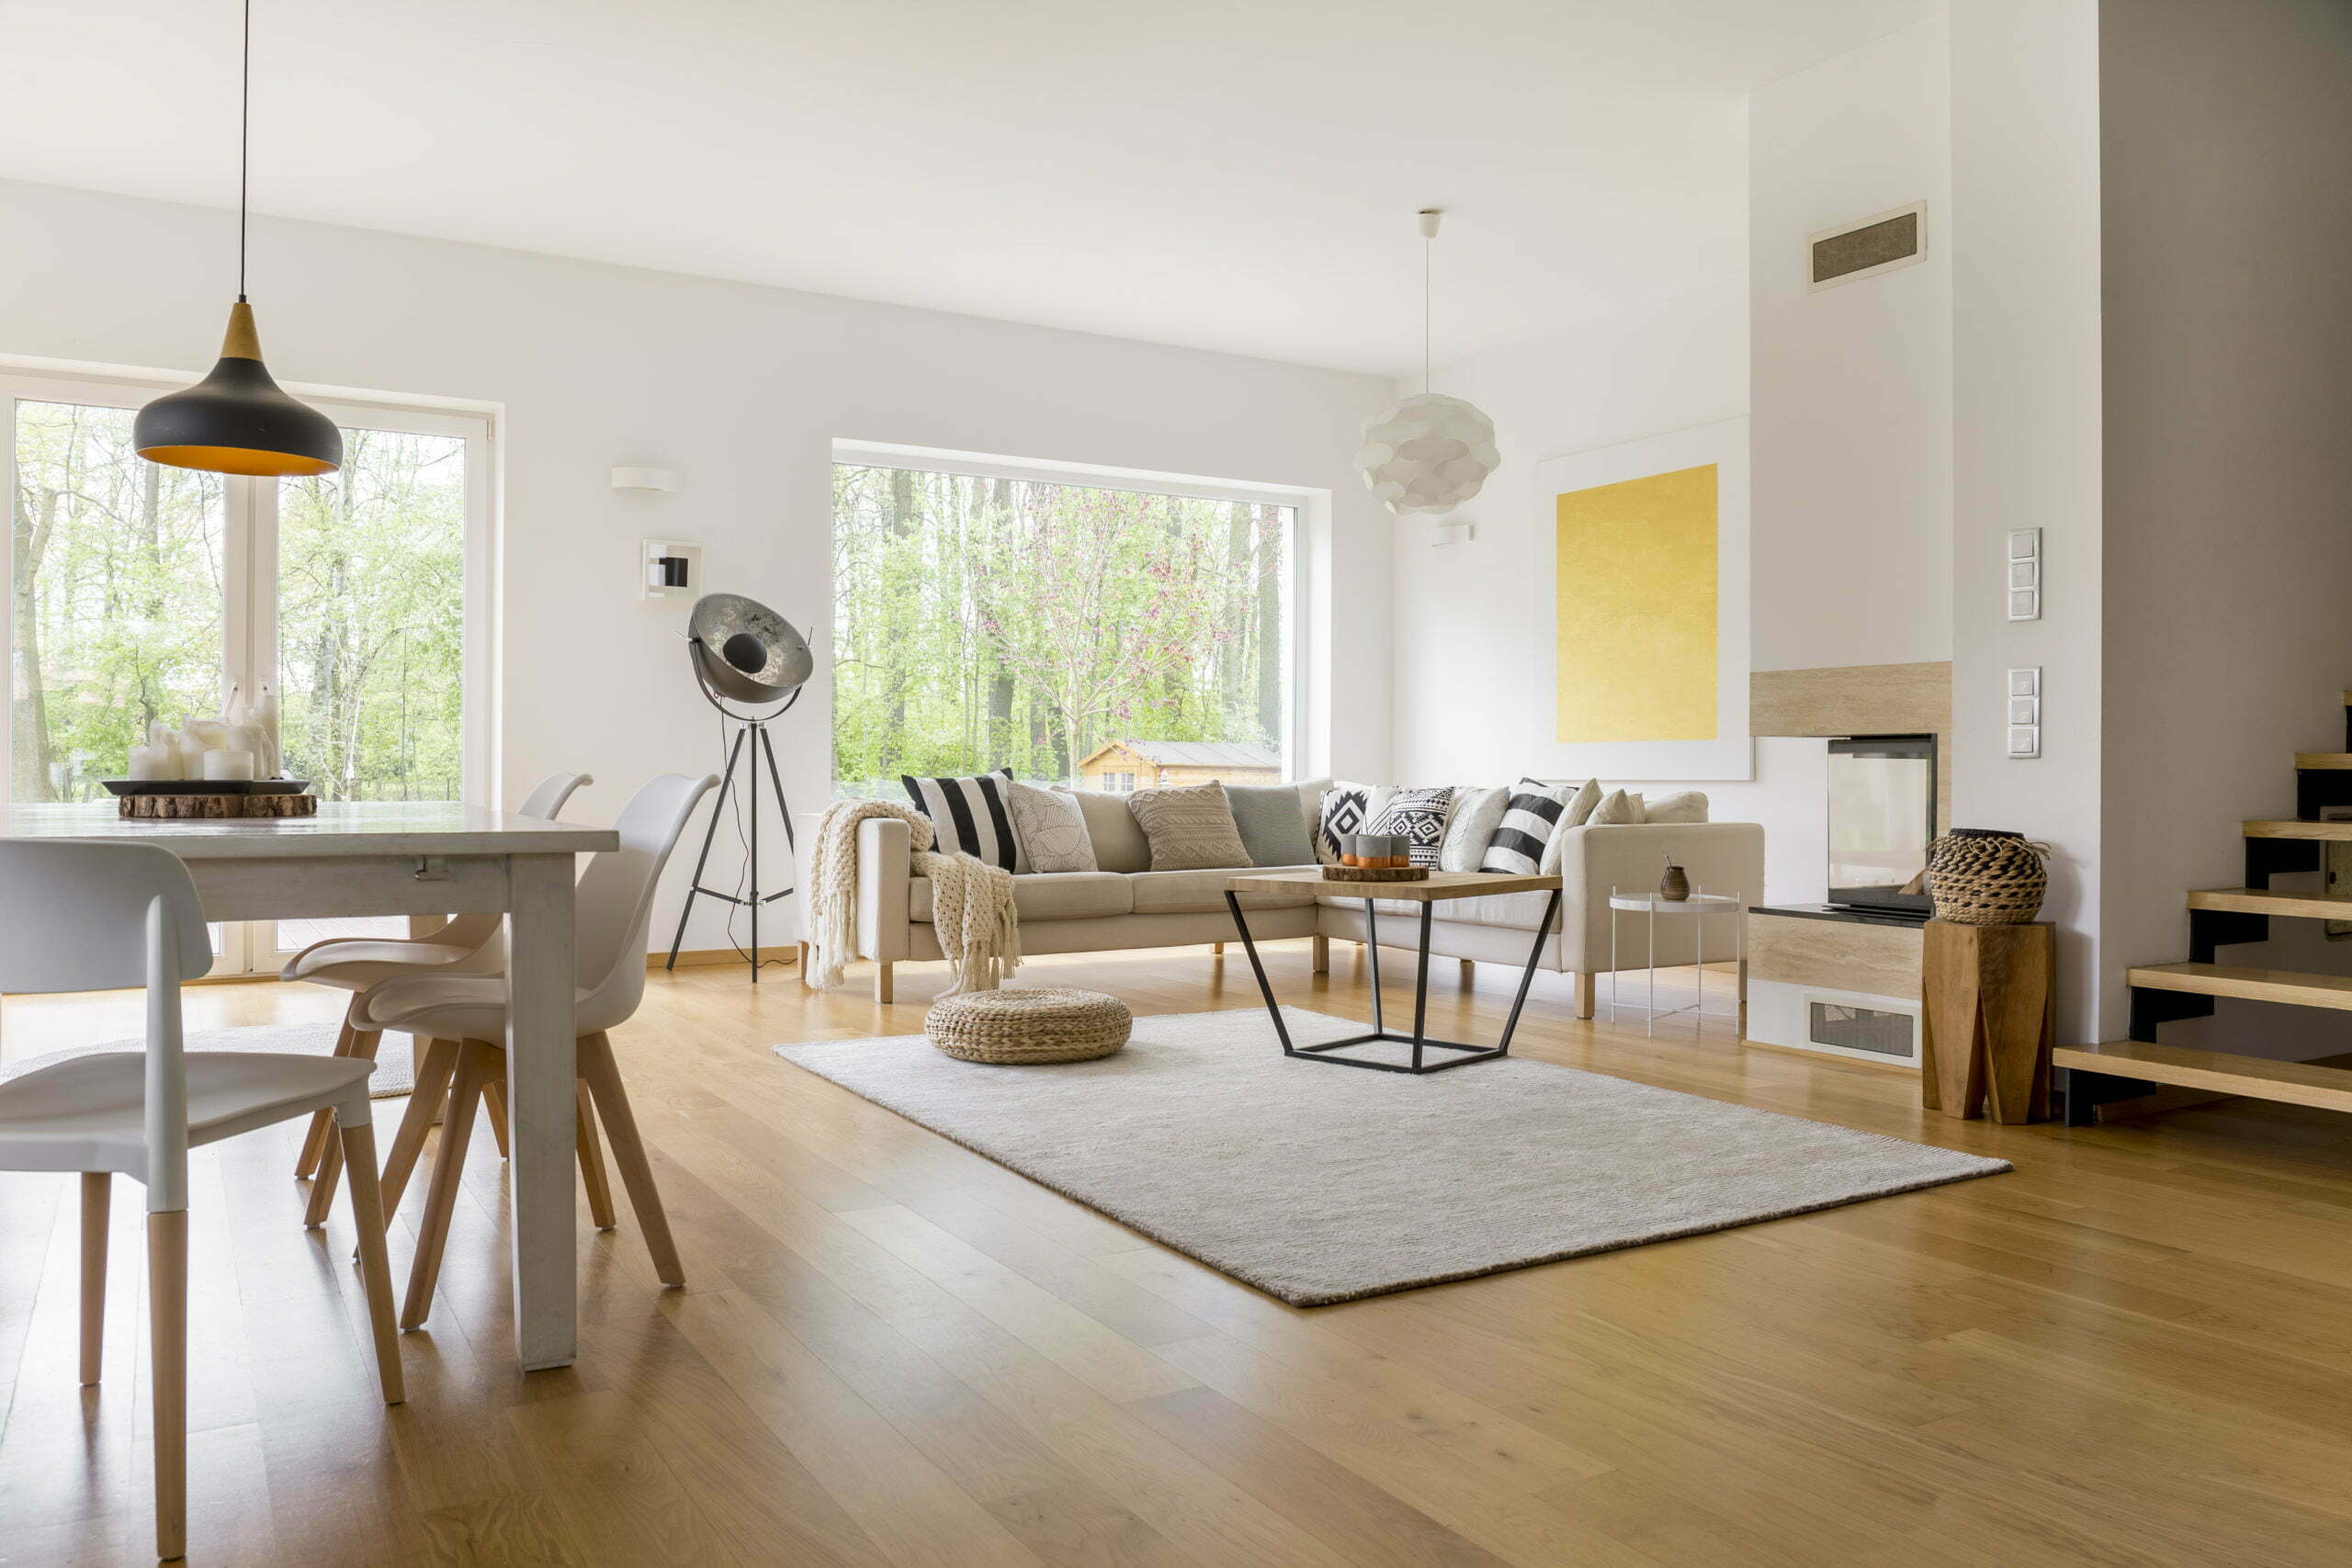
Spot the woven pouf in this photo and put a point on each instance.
(1025, 1025)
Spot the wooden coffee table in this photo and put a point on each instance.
(1438, 886)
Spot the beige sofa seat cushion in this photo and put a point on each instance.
(1046, 896)
(1203, 892)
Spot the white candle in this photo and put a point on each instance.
(152, 762)
(228, 764)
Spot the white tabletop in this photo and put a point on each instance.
(341, 828)
(1658, 903)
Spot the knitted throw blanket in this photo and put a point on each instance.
(972, 911)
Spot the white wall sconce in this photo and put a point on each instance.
(669, 569)
(1450, 531)
(648, 478)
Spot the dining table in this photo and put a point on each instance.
(422, 857)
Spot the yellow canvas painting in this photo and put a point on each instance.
(1636, 597)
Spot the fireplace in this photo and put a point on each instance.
(1881, 818)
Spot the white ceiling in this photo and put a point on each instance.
(1236, 175)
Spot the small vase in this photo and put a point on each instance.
(1674, 885)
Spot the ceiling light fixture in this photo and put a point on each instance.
(237, 420)
(1428, 452)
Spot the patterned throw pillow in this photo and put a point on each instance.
(1051, 829)
(1535, 808)
(969, 817)
(1191, 828)
(1417, 816)
(1476, 813)
(1343, 808)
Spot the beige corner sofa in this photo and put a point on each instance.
(1101, 911)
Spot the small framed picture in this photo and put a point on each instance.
(2026, 683)
(2025, 604)
(2025, 544)
(2025, 574)
(2025, 740)
(2025, 710)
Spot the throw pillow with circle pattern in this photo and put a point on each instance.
(1417, 816)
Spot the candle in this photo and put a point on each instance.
(153, 762)
(225, 764)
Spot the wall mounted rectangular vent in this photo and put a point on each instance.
(1865, 1029)
(1878, 243)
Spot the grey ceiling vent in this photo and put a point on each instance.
(1880, 242)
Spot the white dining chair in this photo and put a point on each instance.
(466, 944)
(108, 917)
(466, 1014)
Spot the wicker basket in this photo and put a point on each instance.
(1025, 1025)
(1987, 876)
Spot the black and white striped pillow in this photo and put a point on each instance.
(969, 816)
(1517, 847)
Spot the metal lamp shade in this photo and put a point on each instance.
(237, 420)
(746, 651)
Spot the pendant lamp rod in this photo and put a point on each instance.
(244, 140)
(1428, 217)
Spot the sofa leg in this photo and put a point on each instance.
(883, 989)
(1469, 971)
(1322, 955)
(1218, 948)
(1587, 984)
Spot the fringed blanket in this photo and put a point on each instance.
(972, 910)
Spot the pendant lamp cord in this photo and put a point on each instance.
(244, 142)
(1429, 248)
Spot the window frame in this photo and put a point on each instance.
(1305, 746)
(249, 574)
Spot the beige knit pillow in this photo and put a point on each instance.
(1618, 806)
(1191, 828)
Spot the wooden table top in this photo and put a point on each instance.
(1437, 885)
(341, 828)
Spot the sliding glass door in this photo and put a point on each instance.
(141, 592)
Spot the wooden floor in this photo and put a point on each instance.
(2135, 1350)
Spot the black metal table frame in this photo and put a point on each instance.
(1418, 1040)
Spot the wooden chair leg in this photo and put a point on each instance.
(358, 1140)
(493, 1101)
(424, 1104)
(97, 1205)
(474, 1062)
(883, 989)
(314, 1142)
(167, 1331)
(592, 1161)
(364, 1043)
(604, 1076)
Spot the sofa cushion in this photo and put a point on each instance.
(1191, 827)
(1052, 829)
(969, 817)
(1687, 805)
(1111, 829)
(1203, 892)
(1272, 827)
(1051, 895)
(1476, 813)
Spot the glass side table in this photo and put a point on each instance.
(1653, 907)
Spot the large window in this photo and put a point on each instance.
(986, 619)
(141, 592)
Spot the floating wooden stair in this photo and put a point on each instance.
(2325, 761)
(2297, 1083)
(2310, 833)
(2265, 901)
(2247, 985)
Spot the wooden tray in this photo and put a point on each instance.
(215, 807)
(128, 787)
(1375, 874)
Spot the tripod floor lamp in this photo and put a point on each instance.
(746, 658)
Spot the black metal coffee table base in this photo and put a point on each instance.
(1420, 1039)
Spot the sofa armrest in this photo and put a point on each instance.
(885, 874)
(1720, 857)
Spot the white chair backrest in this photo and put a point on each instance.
(616, 897)
(548, 800)
(108, 917)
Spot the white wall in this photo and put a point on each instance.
(743, 387)
(1851, 386)
(2228, 223)
(2026, 408)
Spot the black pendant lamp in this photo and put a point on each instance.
(237, 420)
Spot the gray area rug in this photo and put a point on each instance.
(393, 1075)
(1321, 1184)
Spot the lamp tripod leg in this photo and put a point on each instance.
(718, 807)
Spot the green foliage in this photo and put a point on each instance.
(981, 622)
(120, 592)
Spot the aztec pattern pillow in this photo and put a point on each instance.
(1417, 816)
(1344, 812)
(1051, 829)
(1191, 828)
(1535, 808)
(969, 817)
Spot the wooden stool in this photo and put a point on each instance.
(1989, 1020)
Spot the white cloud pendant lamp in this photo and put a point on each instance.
(1428, 452)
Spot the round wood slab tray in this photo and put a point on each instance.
(192, 808)
(1375, 874)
